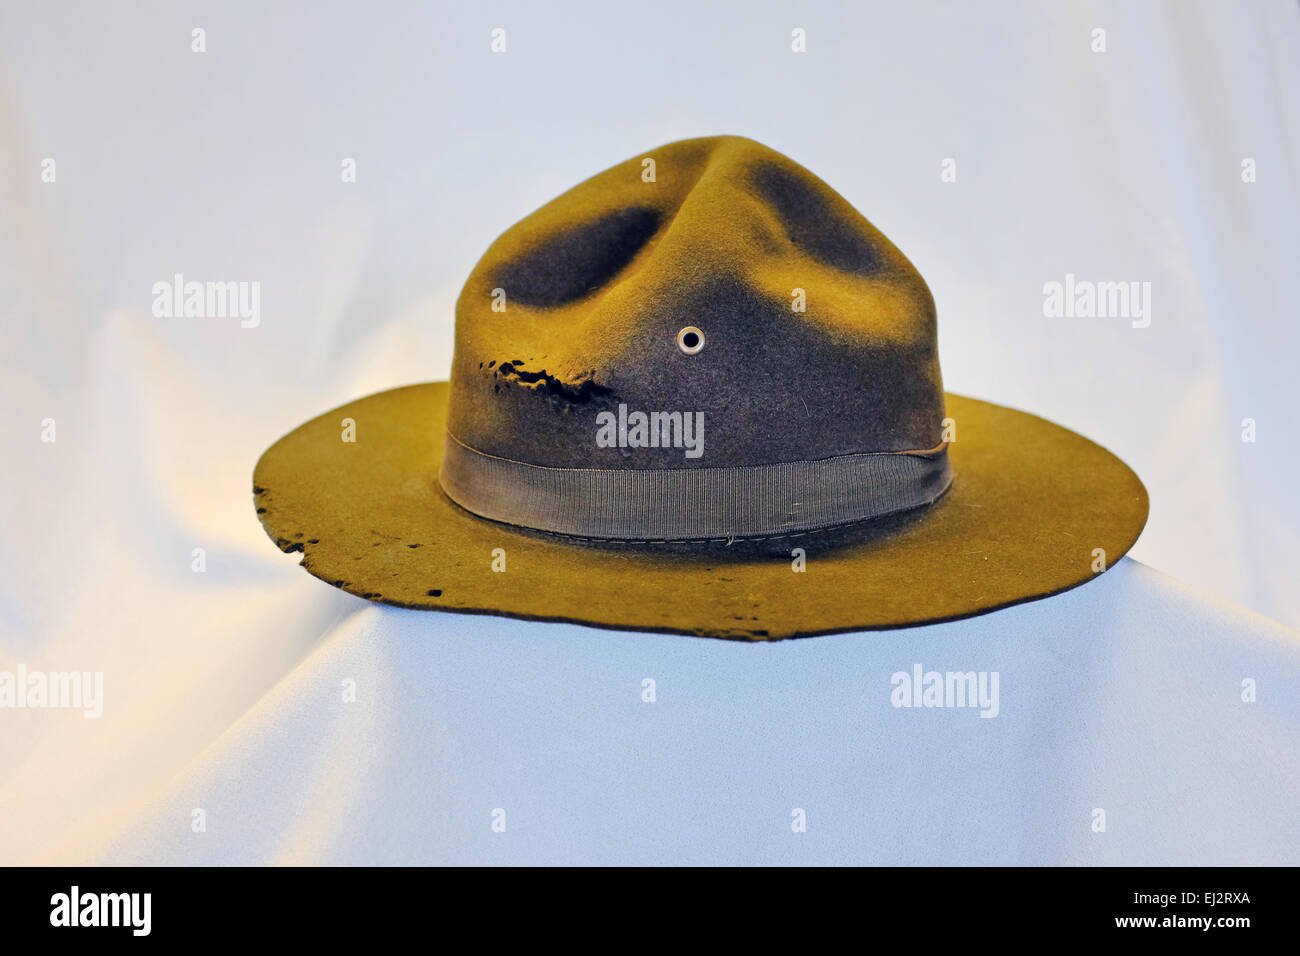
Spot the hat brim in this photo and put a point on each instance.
(1034, 509)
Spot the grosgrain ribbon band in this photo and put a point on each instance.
(673, 504)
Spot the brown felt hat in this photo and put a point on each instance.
(698, 392)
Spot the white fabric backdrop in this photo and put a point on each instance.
(1123, 696)
(1122, 165)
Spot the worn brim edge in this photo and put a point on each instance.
(1030, 510)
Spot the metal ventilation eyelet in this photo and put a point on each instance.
(690, 340)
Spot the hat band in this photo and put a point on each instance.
(673, 504)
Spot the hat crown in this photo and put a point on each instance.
(816, 336)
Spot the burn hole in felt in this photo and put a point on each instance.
(816, 226)
(579, 392)
(571, 264)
